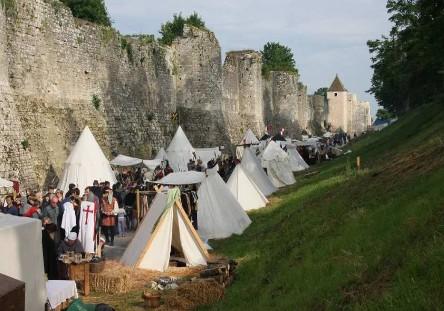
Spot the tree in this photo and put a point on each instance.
(384, 114)
(408, 65)
(173, 29)
(322, 91)
(277, 57)
(91, 10)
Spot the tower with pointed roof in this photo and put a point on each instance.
(338, 108)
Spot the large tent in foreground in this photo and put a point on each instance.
(180, 151)
(86, 163)
(253, 168)
(219, 213)
(165, 225)
(22, 258)
(245, 190)
(277, 163)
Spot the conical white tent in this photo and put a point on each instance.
(207, 154)
(249, 138)
(245, 190)
(253, 168)
(219, 213)
(277, 163)
(296, 161)
(165, 225)
(161, 155)
(180, 151)
(123, 160)
(85, 164)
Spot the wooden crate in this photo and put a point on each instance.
(12, 294)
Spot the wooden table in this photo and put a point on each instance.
(80, 272)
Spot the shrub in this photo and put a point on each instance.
(90, 10)
(277, 57)
(173, 29)
(96, 101)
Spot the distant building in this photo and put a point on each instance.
(345, 111)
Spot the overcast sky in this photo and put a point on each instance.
(327, 37)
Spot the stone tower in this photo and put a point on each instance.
(337, 96)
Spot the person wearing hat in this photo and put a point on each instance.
(70, 244)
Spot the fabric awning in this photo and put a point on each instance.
(123, 160)
(182, 178)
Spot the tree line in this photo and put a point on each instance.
(408, 64)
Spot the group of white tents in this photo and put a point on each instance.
(221, 206)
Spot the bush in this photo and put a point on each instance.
(277, 57)
(90, 10)
(96, 101)
(173, 29)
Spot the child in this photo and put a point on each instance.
(121, 218)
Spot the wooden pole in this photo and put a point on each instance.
(358, 163)
(138, 205)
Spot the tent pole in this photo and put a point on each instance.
(138, 206)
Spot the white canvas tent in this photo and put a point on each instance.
(277, 163)
(161, 155)
(219, 213)
(252, 166)
(207, 154)
(182, 178)
(85, 164)
(165, 225)
(249, 138)
(245, 190)
(152, 164)
(5, 183)
(296, 161)
(180, 151)
(22, 258)
(123, 160)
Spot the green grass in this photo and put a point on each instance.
(342, 239)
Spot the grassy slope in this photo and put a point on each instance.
(346, 240)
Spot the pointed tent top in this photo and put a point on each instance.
(337, 85)
(249, 138)
(179, 142)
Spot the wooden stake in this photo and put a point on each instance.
(358, 163)
(138, 206)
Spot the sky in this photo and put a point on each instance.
(327, 37)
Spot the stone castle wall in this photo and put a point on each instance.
(54, 68)
(242, 93)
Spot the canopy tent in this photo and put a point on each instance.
(123, 160)
(219, 213)
(277, 163)
(249, 138)
(22, 259)
(165, 225)
(5, 183)
(297, 163)
(253, 168)
(207, 154)
(182, 178)
(245, 190)
(161, 155)
(86, 163)
(152, 164)
(180, 151)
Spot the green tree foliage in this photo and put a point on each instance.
(322, 91)
(384, 114)
(277, 57)
(173, 29)
(408, 64)
(91, 10)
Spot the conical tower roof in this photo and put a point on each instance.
(337, 85)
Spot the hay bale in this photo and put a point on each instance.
(109, 284)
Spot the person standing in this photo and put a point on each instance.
(52, 210)
(109, 209)
(10, 208)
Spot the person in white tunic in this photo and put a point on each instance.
(87, 223)
(69, 217)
